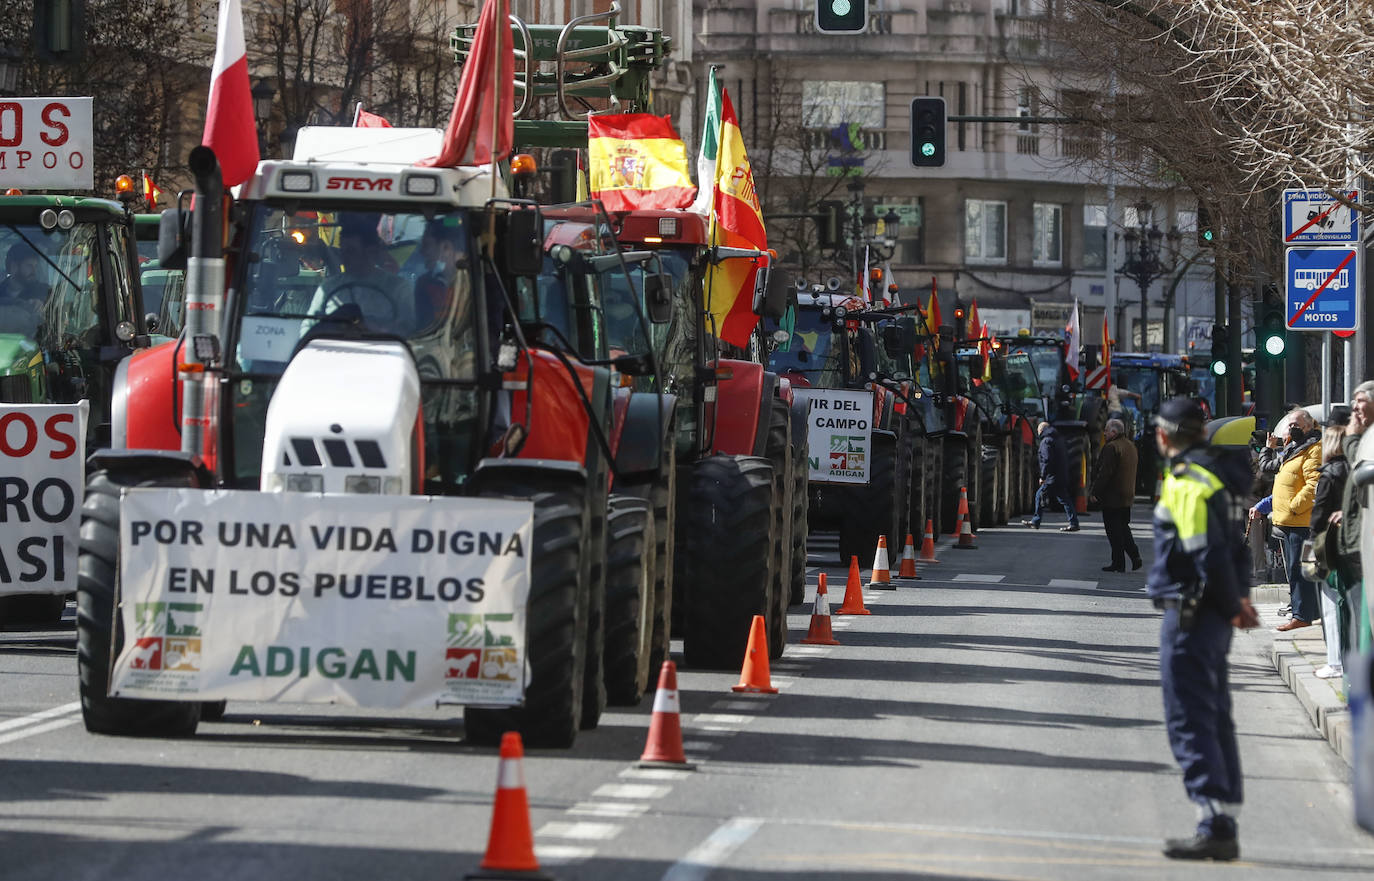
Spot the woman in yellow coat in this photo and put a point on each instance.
(1295, 488)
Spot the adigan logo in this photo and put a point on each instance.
(481, 647)
(847, 452)
(167, 637)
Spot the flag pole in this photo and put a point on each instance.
(502, 28)
(713, 225)
(357, 114)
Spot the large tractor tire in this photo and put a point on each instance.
(661, 495)
(779, 452)
(99, 629)
(952, 478)
(935, 468)
(989, 466)
(556, 623)
(916, 507)
(1076, 452)
(726, 542)
(801, 453)
(1030, 479)
(630, 576)
(875, 508)
(594, 671)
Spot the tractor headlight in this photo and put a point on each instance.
(305, 483)
(367, 484)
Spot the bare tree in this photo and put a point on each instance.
(327, 55)
(134, 57)
(801, 160)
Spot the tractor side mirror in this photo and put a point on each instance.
(524, 241)
(658, 298)
(633, 365)
(777, 293)
(899, 337)
(173, 238)
(867, 356)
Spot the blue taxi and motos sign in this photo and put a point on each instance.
(1321, 237)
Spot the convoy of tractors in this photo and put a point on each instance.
(401, 343)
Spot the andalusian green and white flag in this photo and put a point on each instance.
(710, 146)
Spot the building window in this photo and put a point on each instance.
(1186, 220)
(1094, 236)
(828, 103)
(1048, 247)
(985, 231)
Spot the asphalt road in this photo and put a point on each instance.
(1001, 719)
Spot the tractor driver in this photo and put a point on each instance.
(366, 279)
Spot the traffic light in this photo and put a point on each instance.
(927, 132)
(1206, 232)
(1221, 349)
(830, 223)
(841, 16)
(1272, 340)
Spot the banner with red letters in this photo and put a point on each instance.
(46, 144)
(42, 482)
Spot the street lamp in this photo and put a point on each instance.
(263, 93)
(1142, 263)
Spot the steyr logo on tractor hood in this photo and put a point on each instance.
(366, 184)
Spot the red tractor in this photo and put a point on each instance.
(368, 340)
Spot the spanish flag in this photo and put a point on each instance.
(933, 320)
(638, 161)
(151, 191)
(736, 222)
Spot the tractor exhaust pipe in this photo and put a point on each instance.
(204, 298)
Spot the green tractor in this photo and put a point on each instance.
(70, 312)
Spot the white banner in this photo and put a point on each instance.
(42, 480)
(840, 431)
(376, 601)
(46, 144)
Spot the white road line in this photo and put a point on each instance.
(38, 729)
(735, 704)
(579, 830)
(1072, 582)
(631, 790)
(703, 719)
(623, 810)
(699, 746)
(978, 579)
(654, 774)
(40, 716)
(562, 854)
(808, 651)
(714, 851)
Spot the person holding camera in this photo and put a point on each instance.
(1200, 578)
(1335, 472)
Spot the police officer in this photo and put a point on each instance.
(1200, 578)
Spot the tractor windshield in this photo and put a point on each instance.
(1140, 387)
(624, 301)
(1022, 385)
(308, 274)
(1047, 361)
(49, 292)
(816, 351)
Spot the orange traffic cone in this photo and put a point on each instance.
(820, 633)
(853, 594)
(664, 745)
(882, 577)
(962, 512)
(965, 542)
(928, 543)
(908, 570)
(753, 677)
(510, 846)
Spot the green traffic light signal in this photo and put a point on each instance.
(928, 121)
(927, 149)
(842, 16)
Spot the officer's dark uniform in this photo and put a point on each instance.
(1199, 575)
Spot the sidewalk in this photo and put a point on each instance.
(1296, 655)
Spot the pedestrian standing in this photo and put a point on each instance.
(1295, 488)
(1054, 478)
(1330, 485)
(1200, 578)
(1349, 517)
(1113, 488)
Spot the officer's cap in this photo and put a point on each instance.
(1180, 415)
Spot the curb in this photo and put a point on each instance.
(1296, 659)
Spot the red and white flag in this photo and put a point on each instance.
(1071, 336)
(483, 117)
(363, 119)
(230, 129)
